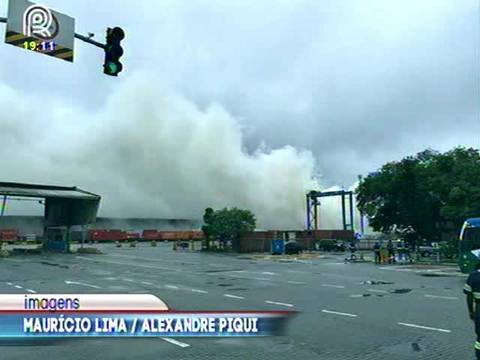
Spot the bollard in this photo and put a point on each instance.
(153, 243)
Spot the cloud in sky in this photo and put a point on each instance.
(356, 83)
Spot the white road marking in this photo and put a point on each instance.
(128, 280)
(303, 261)
(441, 297)
(278, 303)
(171, 286)
(267, 273)
(215, 265)
(199, 291)
(147, 259)
(9, 283)
(334, 286)
(424, 327)
(129, 264)
(395, 269)
(339, 313)
(176, 342)
(299, 272)
(68, 282)
(146, 283)
(18, 287)
(31, 291)
(296, 282)
(378, 291)
(233, 296)
(356, 296)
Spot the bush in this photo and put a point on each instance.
(4, 253)
(449, 249)
(327, 245)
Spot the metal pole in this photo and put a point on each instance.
(84, 230)
(344, 220)
(89, 40)
(315, 214)
(362, 225)
(308, 213)
(4, 202)
(350, 198)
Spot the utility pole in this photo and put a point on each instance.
(362, 225)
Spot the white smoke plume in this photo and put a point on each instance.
(153, 154)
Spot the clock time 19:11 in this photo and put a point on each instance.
(39, 46)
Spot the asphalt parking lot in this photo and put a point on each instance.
(346, 311)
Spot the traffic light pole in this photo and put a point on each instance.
(112, 48)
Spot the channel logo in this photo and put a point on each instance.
(40, 22)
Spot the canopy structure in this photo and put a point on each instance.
(64, 206)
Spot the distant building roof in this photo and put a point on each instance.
(45, 191)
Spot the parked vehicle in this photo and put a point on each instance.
(426, 251)
(293, 248)
(469, 240)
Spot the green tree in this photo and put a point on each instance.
(227, 224)
(423, 195)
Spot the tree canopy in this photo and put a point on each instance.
(227, 224)
(429, 193)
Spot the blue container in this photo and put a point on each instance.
(278, 247)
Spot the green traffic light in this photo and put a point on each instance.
(111, 68)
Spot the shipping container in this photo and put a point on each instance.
(9, 235)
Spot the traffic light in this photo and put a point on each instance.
(113, 51)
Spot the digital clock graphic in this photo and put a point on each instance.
(41, 46)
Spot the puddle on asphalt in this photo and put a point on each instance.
(375, 282)
(222, 270)
(225, 284)
(54, 264)
(433, 275)
(416, 347)
(238, 289)
(400, 291)
(360, 295)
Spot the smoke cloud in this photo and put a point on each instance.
(150, 153)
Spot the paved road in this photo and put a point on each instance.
(347, 311)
